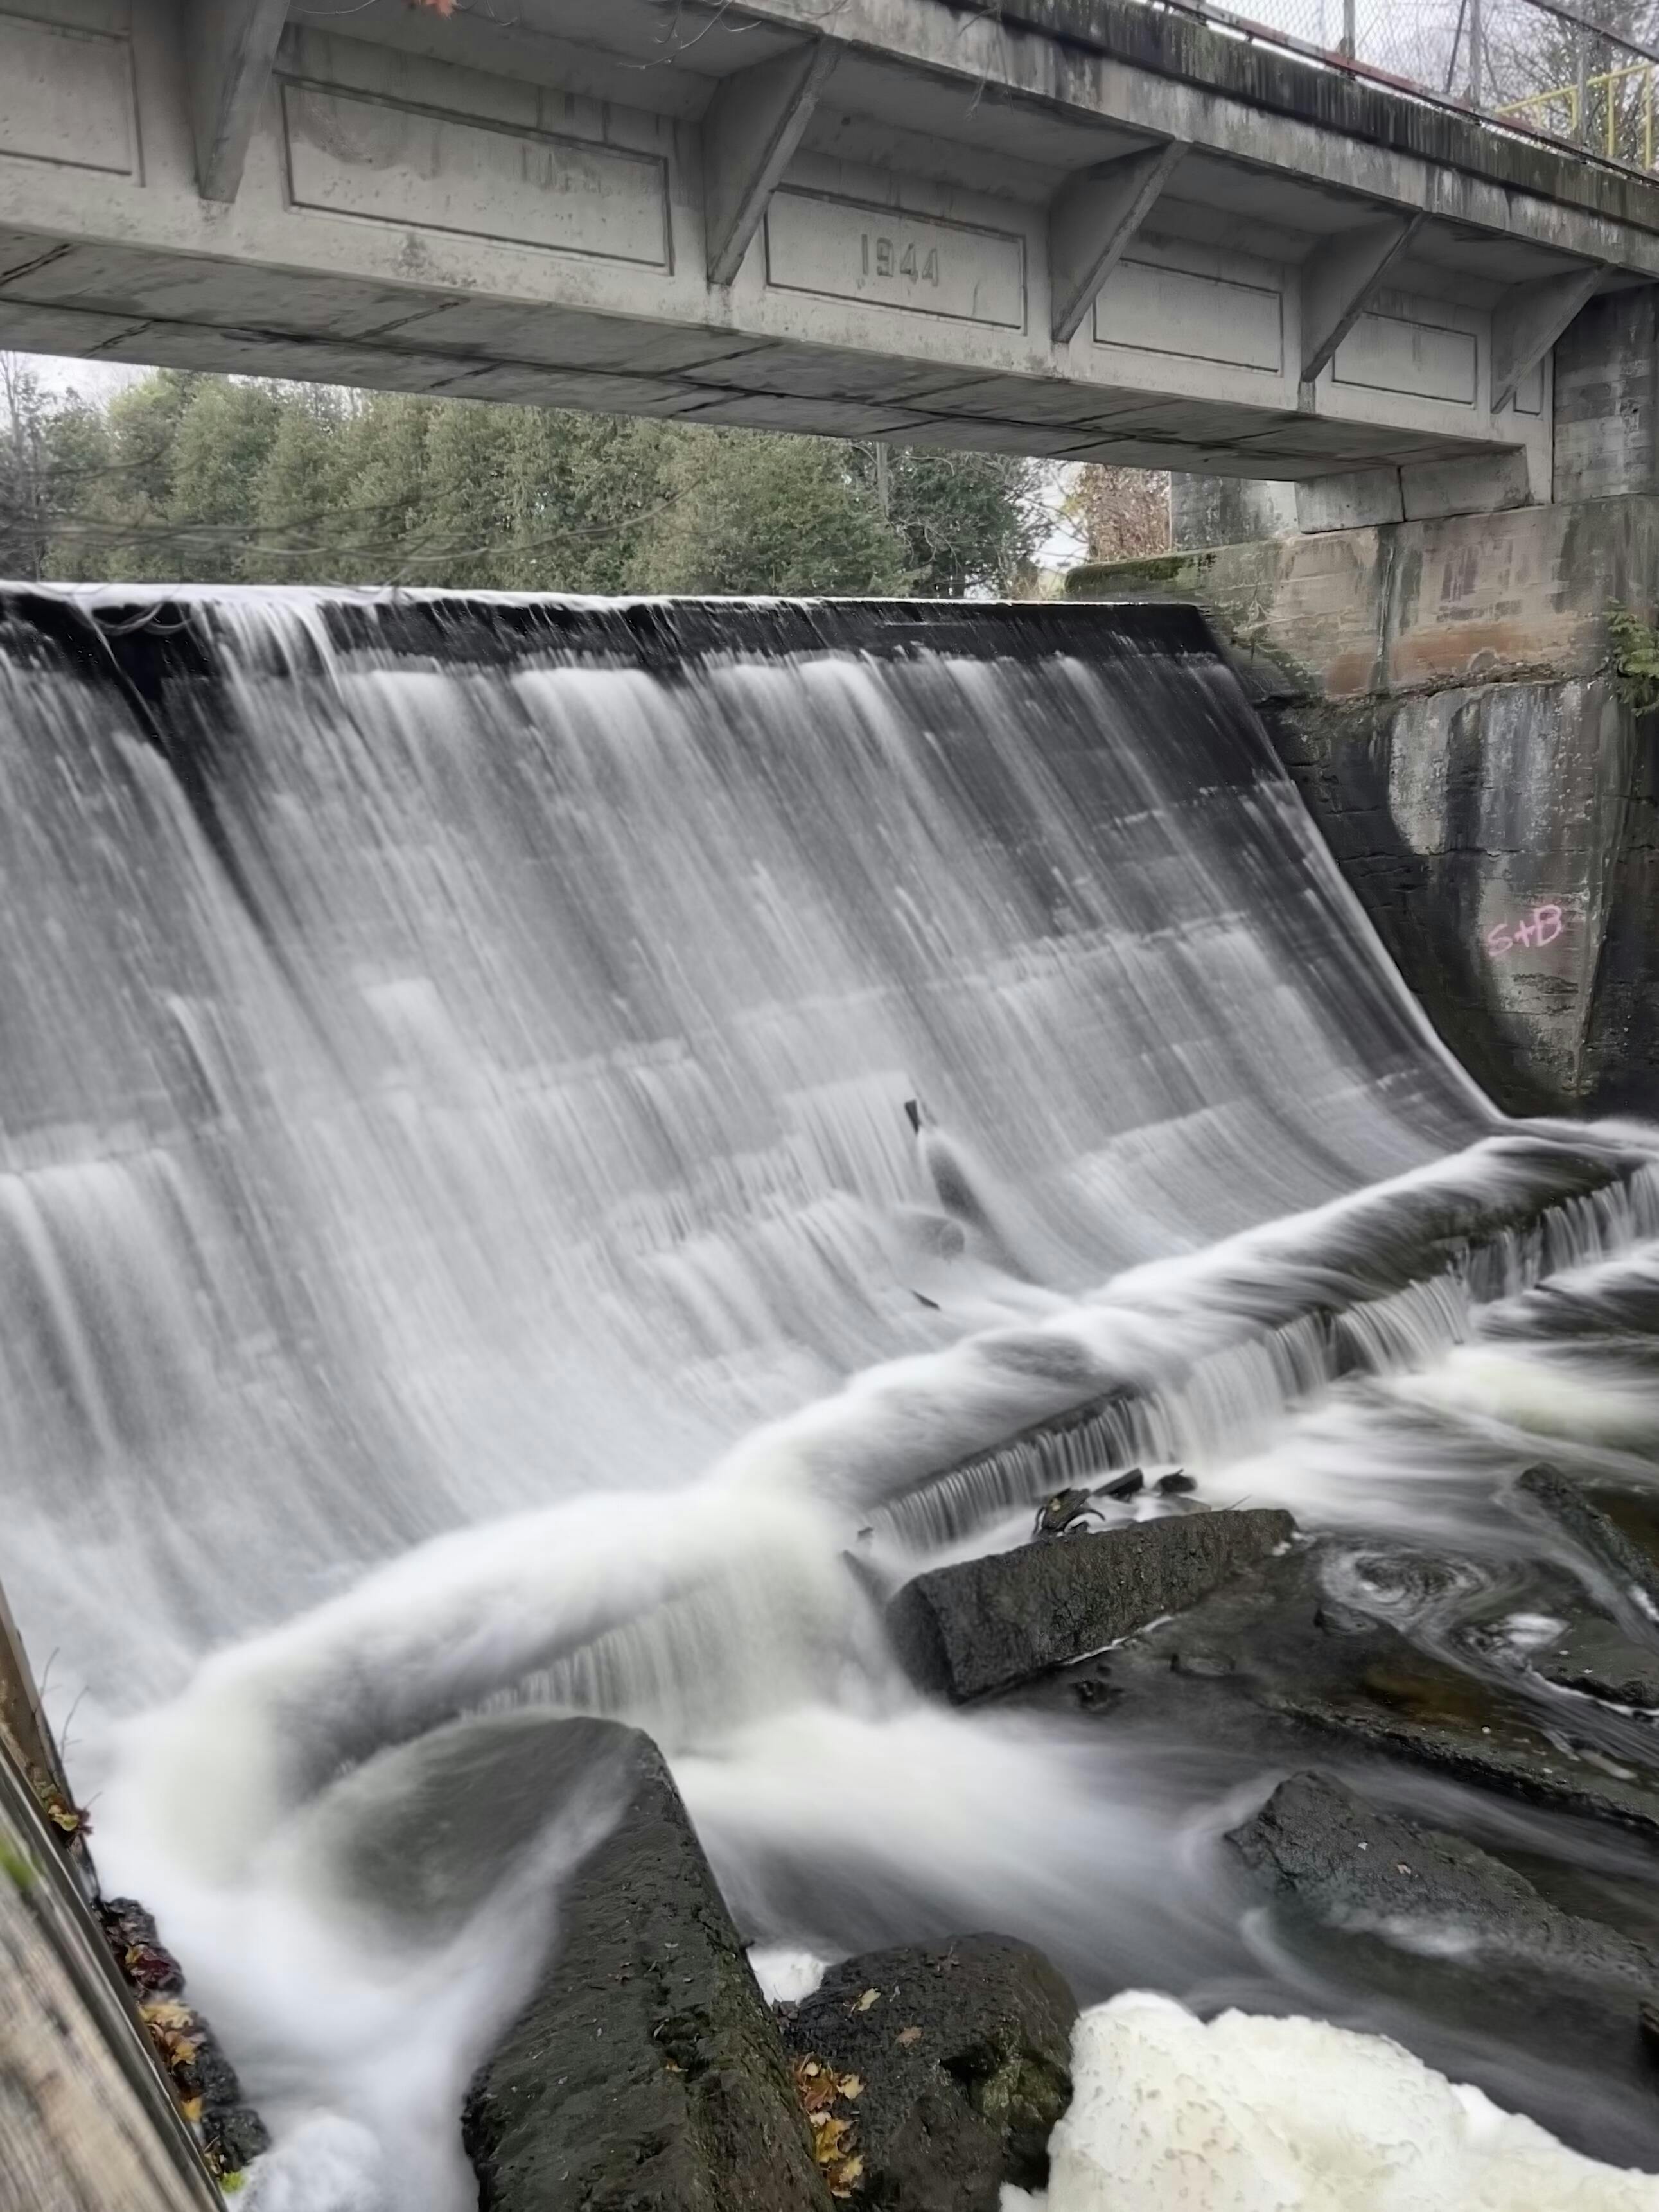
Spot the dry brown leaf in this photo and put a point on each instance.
(869, 1999)
(844, 2177)
(907, 2036)
(830, 2138)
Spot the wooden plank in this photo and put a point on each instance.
(22, 1719)
(87, 2124)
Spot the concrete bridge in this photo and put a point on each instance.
(1096, 229)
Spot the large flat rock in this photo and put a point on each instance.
(988, 1624)
(647, 2073)
(961, 2056)
(1360, 1868)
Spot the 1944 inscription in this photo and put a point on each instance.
(847, 249)
(891, 258)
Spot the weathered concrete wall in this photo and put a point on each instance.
(1606, 398)
(1440, 692)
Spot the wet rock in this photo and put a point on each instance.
(647, 2073)
(233, 2138)
(1600, 1661)
(1406, 1705)
(1461, 1947)
(130, 1932)
(1359, 1868)
(203, 2079)
(1121, 1487)
(1577, 1514)
(962, 2058)
(1179, 1484)
(986, 1625)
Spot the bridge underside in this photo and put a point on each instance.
(1111, 236)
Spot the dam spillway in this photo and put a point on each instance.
(531, 1127)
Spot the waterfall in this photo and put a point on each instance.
(526, 1126)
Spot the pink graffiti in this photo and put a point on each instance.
(1541, 926)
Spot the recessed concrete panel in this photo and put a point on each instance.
(1421, 360)
(349, 155)
(1529, 393)
(847, 249)
(66, 96)
(1157, 309)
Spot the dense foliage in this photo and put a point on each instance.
(216, 479)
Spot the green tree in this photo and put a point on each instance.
(970, 521)
(582, 492)
(224, 439)
(751, 512)
(232, 479)
(25, 502)
(303, 495)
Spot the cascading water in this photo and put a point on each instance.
(532, 1129)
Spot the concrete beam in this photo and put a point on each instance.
(1091, 221)
(1528, 320)
(1340, 277)
(752, 130)
(230, 50)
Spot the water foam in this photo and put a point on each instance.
(1246, 2114)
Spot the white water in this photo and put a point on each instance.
(467, 1248)
(1253, 2115)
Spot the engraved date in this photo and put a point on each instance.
(891, 259)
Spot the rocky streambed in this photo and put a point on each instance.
(1449, 1837)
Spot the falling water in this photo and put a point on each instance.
(532, 1128)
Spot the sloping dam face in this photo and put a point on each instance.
(512, 1067)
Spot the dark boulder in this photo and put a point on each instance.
(1359, 1868)
(961, 2059)
(988, 1624)
(647, 2073)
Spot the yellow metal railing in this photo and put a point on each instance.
(1563, 110)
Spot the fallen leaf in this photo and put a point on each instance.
(830, 2136)
(907, 2036)
(844, 2177)
(870, 1997)
(849, 2085)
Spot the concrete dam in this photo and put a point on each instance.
(817, 1402)
(559, 1154)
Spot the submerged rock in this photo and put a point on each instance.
(1366, 1871)
(1576, 1512)
(988, 1624)
(961, 2058)
(647, 2073)
(1600, 1661)
(1464, 1951)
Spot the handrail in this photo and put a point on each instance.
(1488, 45)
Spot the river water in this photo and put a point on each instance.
(532, 1131)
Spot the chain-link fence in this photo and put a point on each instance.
(1578, 71)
